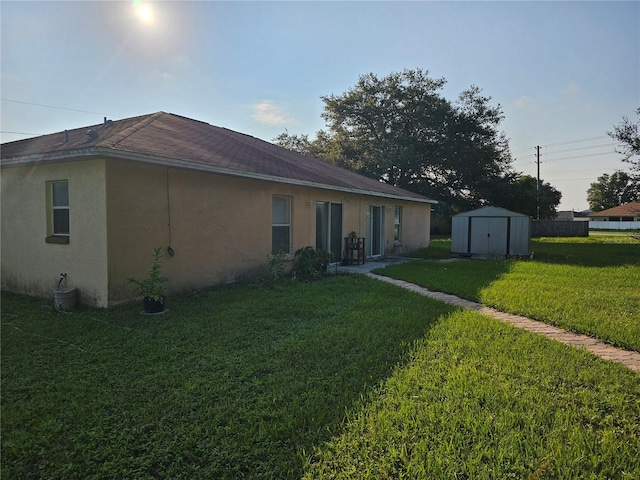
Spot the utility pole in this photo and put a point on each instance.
(538, 183)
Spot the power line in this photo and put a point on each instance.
(576, 141)
(587, 170)
(572, 179)
(21, 133)
(52, 106)
(578, 156)
(562, 159)
(533, 150)
(523, 151)
(580, 148)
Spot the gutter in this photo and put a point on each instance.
(70, 155)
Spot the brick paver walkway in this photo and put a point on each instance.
(627, 358)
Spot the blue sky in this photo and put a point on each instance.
(564, 72)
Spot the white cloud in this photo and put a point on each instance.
(526, 103)
(270, 113)
(572, 91)
(575, 98)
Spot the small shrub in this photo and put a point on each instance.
(306, 264)
(275, 269)
(310, 263)
(154, 285)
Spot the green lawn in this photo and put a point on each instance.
(238, 383)
(483, 400)
(345, 377)
(588, 285)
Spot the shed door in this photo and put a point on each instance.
(489, 235)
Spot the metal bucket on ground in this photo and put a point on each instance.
(64, 299)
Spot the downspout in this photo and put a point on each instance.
(170, 250)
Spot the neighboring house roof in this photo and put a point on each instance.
(626, 210)
(572, 215)
(171, 140)
(565, 215)
(490, 212)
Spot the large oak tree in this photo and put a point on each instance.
(612, 190)
(522, 194)
(628, 134)
(400, 129)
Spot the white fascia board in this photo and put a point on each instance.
(70, 155)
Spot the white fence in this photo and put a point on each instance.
(602, 225)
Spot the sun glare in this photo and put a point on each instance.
(143, 12)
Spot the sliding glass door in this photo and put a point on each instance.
(329, 228)
(375, 231)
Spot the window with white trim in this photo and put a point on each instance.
(60, 208)
(281, 224)
(397, 225)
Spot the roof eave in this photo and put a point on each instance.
(99, 151)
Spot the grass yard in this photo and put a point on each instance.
(589, 285)
(345, 377)
(483, 400)
(235, 384)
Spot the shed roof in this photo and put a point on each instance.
(626, 210)
(490, 212)
(173, 140)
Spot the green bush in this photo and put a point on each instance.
(310, 263)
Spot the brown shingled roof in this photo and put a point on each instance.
(626, 210)
(170, 139)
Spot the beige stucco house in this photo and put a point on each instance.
(93, 202)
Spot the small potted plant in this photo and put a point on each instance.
(153, 288)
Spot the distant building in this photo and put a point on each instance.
(573, 216)
(623, 217)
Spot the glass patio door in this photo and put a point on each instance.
(329, 228)
(375, 231)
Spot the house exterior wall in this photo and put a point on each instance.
(29, 264)
(220, 226)
(600, 224)
(416, 227)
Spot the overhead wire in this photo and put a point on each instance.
(546, 153)
(20, 133)
(52, 106)
(578, 156)
(568, 142)
(575, 141)
(581, 148)
(8, 132)
(587, 170)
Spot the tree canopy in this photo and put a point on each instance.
(401, 130)
(612, 190)
(520, 193)
(628, 134)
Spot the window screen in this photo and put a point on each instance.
(281, 224)
(60, 206)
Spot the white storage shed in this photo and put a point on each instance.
(490, 232)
